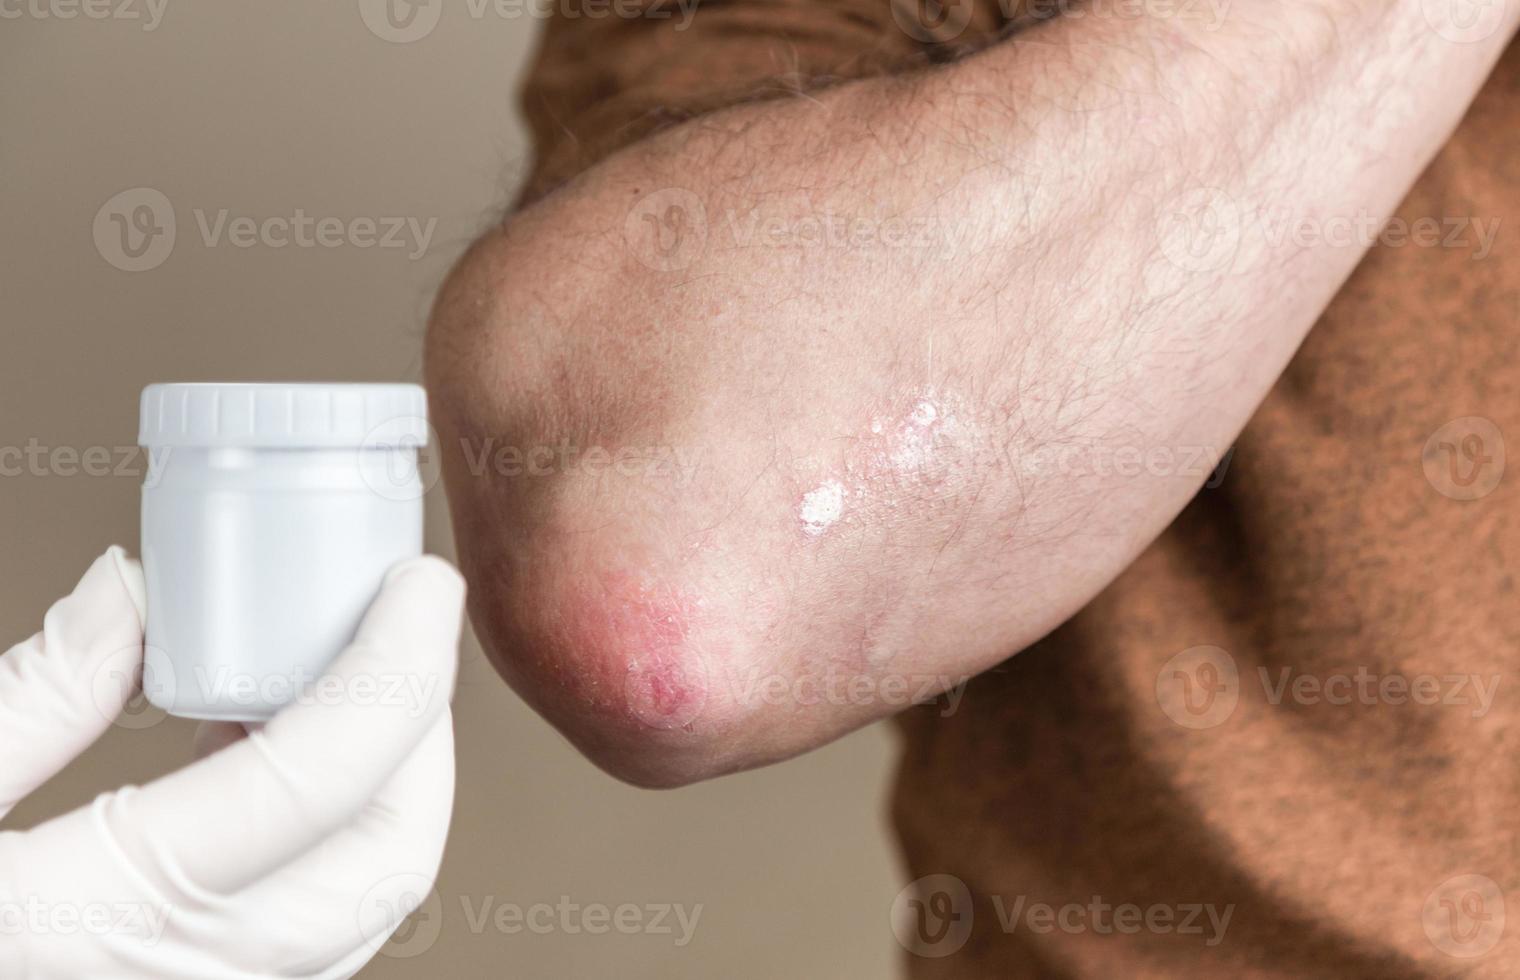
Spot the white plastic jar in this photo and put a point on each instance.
(270, 515)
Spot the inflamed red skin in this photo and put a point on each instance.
(605, 653)
(638, 638)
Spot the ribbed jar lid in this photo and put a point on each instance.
(284, 416)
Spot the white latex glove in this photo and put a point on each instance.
(292, 852)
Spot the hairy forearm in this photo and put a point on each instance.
(896, 349)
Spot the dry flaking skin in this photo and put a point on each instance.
(912, 450)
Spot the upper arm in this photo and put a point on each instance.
(610, 72)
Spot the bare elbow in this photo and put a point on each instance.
(642, 613)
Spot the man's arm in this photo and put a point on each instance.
(895, 377)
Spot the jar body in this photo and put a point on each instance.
(260, 563)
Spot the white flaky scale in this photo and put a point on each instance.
(822, 506)
(914, 444)
(907, 448)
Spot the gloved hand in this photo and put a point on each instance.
(292, 852)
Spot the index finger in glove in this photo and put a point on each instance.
(60, 690)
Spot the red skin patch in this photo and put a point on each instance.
(634, 638)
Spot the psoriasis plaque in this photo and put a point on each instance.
(643, 630)
(896, 451)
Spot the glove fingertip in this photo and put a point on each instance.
(131, 573)
(437, 569)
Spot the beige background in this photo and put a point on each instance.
(261, 109)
